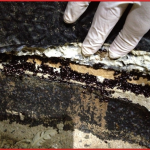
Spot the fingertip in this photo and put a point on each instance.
(70, 14)
(114, 55)
(67, 19)
(74, 10)
(87, 49)
(85, 52)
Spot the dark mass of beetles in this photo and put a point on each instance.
(18, 65)
(14, 65)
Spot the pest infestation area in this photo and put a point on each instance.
(102, 102)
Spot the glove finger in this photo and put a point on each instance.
(74, 10)
(107, 15)
(136, 25)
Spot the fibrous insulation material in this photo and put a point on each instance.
(137, 60)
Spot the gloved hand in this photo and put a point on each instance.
(107, 15)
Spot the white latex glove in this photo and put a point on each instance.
(106, 17)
